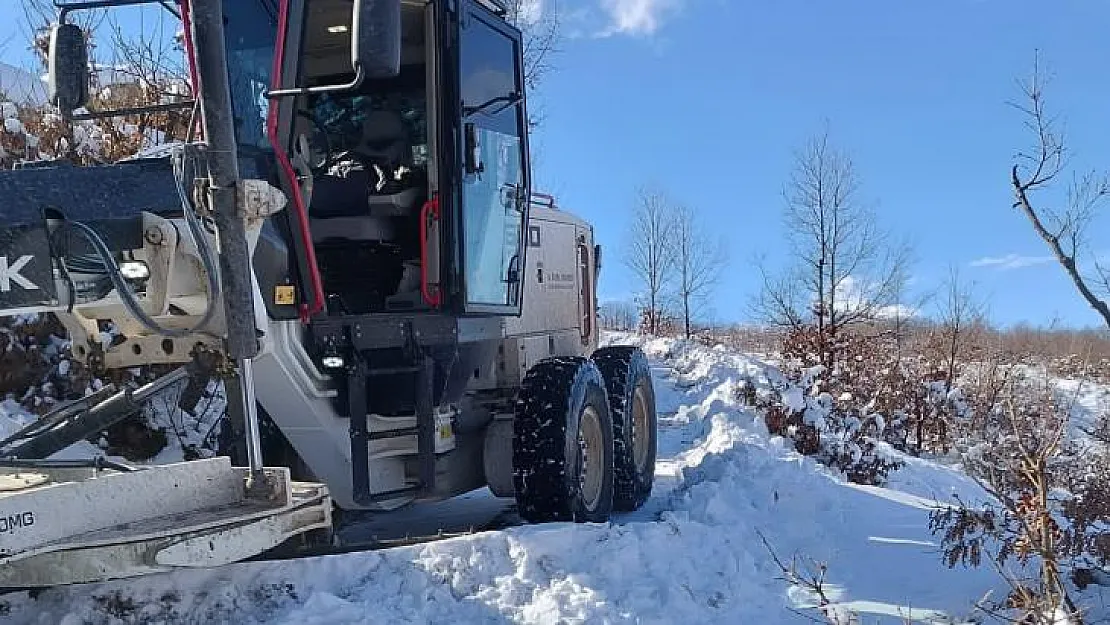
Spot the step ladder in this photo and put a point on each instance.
(418, 373)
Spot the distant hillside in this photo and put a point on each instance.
(20, 85)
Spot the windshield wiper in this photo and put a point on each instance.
(509, 99)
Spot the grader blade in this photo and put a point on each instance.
(77, 525)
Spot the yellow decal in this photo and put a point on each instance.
(284, 295)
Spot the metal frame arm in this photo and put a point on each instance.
(355, 83)
(65, 8)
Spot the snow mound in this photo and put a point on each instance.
(693, 554)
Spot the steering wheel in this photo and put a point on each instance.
(318, 157)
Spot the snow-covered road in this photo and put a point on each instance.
(693, 554)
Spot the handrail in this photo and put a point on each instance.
(429, 213)
(543, 199)
(315, 281)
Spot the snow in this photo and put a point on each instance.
(12, 418)
(693, 554)
(13, 125)
(184, 431)
(1087, 402)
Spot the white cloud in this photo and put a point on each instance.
(1011, 261)
(897, 311)
(635, 17)
(530, 12)
(855, 295)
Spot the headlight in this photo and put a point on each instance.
(134, 270)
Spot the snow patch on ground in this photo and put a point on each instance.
(693, 554)
(184, 432)
(12, 418)
(1088, 401)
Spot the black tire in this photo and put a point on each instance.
(556, 397)
(626, 372)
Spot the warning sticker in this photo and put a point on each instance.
(285, 295)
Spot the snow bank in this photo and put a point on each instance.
(693, 554)
(12, 418)
(1088, 402)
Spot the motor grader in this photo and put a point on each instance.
(347, 242)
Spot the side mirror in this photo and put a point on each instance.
(68, 67)
(376, 40)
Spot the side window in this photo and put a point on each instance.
(488, 76)
(249, 36)
(494, 198)
(586, 290)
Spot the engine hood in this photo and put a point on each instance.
(89, 194)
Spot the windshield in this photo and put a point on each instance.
(250, 27)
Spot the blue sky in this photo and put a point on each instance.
(707, 99)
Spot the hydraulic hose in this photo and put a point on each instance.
(127, 294)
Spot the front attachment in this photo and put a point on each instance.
(78, 525)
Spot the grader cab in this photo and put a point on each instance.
(348, 240)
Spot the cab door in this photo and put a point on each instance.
(495, 170)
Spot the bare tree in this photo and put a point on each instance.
(149, 67)
(538, 21)
(650, 254)
(959, 312)
(618, 315)
(1063, 230)
(700, 260)
(146, 66)
(846, 270)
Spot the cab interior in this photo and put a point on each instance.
(369, 154)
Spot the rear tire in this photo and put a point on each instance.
(635, 425)
(563, 444)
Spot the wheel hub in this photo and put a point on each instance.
(640, 429)
(591, 457)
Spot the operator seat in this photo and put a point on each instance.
(359, 195)
(385, 138)
(363, 213)
(387, 142)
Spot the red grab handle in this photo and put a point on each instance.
(428, 214)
